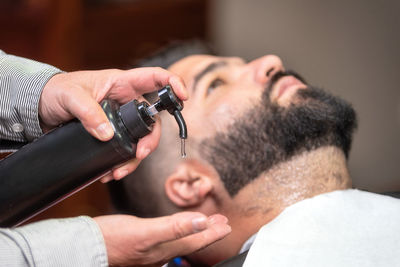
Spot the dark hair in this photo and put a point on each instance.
(173, 52)
(128, 192)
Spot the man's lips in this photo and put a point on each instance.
(285, 87)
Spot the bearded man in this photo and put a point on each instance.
(268, 151)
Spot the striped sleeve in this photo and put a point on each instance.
(21, 84)
(57, 242)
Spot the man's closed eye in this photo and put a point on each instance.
(214, 85)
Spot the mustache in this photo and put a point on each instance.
(280, 74)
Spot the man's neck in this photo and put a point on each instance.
(306, 175)
(303, 176)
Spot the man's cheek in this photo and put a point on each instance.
(223, 116)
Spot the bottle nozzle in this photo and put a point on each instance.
(152, 110)
(182, 130)
(168, 101)
(181, 123)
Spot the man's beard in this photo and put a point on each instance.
(268, 134)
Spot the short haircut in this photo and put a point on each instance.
(173, 52)
(125, 195)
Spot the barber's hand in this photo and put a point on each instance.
(77, 94)
(153, 242)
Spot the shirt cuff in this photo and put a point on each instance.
(65, 242)
(22, 81)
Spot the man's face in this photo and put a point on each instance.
(247, 117)
(221, 88)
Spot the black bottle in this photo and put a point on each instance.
(68, 158)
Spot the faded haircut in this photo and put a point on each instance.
(175, 51)
(141, 193)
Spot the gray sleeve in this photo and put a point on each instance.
(57, 242)
(21, 84)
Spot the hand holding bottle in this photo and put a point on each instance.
(77, 94)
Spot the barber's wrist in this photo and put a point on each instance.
(49, 101)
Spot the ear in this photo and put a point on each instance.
(190, 184)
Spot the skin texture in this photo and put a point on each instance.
(129, 240)
(220, 90)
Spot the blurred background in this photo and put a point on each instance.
(350, 48)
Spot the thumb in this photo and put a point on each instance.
(91, 115)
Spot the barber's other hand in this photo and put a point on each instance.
(77, 94)
(152, 242)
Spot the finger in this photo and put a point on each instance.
(146, 80)
(144, 147)
(177, 226)
(189, 244)
(179, 87)
(149, 143)
(105, 178)
(217, 218)
(124, 169)
(82, 106)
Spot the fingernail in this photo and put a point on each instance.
(183, 90)
(185, 94)
(199, 224)
(225, 230)
(122, 173)
(211, 220)
(145, 152)
(106, 179)
(216, 218)
(104, 131)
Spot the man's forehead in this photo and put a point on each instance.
(194, 67)
(191, 63)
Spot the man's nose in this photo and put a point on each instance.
(265, 67)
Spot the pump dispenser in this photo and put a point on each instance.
(68, 158)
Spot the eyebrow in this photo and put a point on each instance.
(210, 67)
